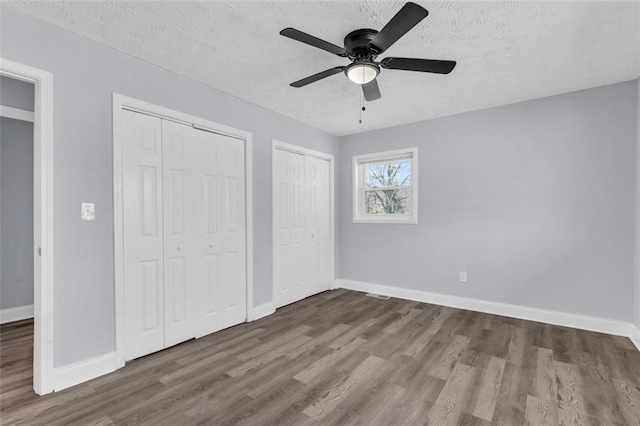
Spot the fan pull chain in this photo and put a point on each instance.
(362, 109)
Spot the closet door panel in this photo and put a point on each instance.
(312, 225)
(221, 225)
(208, 202)
(207, 210)
(179, 250)
(318, 250)
(233, 260)
(296, 221)
(282, 235)
(143, 234)
(324, 225)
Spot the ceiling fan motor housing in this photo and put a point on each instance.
(357, 43)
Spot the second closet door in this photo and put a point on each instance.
(302, 226)
(288, 205)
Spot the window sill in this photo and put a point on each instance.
(408, 221)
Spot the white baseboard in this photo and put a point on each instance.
(583, 322)
(261, 311)
(634, 335)
(82, 371)
(16, 314)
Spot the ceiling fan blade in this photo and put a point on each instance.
(371, 90)
(423, 65)
(316, 77)
(313, 41)
(406, 18)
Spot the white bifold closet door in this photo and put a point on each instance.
(221, 234)
(302, 225)
(184, 233)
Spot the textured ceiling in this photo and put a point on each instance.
(507, 51)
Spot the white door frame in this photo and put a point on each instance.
(42, 219)
(276, 144)
(120, 102)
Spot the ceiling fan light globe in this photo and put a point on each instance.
(362, 73)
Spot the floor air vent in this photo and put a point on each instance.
(378, 296)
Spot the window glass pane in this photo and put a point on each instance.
(393, 173)
(387, 202)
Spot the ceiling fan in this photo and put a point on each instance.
(364, 45)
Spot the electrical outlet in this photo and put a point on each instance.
(463, 276)
(88, 211)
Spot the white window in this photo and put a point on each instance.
(386, 187)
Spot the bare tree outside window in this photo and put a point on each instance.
(387, 188)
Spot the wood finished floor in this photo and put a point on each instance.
(343, 358)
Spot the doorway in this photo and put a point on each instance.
(16, 232)
(16, 200)
(27, 205)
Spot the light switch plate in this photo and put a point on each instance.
(88, 211)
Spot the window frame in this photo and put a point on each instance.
(359, 188)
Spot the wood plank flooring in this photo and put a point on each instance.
(341, 358)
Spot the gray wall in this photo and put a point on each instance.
(16, 93)
(16, 213)
(534, 200)
(85, 75)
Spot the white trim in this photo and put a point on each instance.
(120, 102)
(16, 314)
(43, 219)
(396, 153)
(277, 144)
(82, 371)
(634, 335)
(636, 280)
(263, 310)
(248, 177)
(118, 231)
(16, 113)
(583, 322)
(332, 221)
(358, 192)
